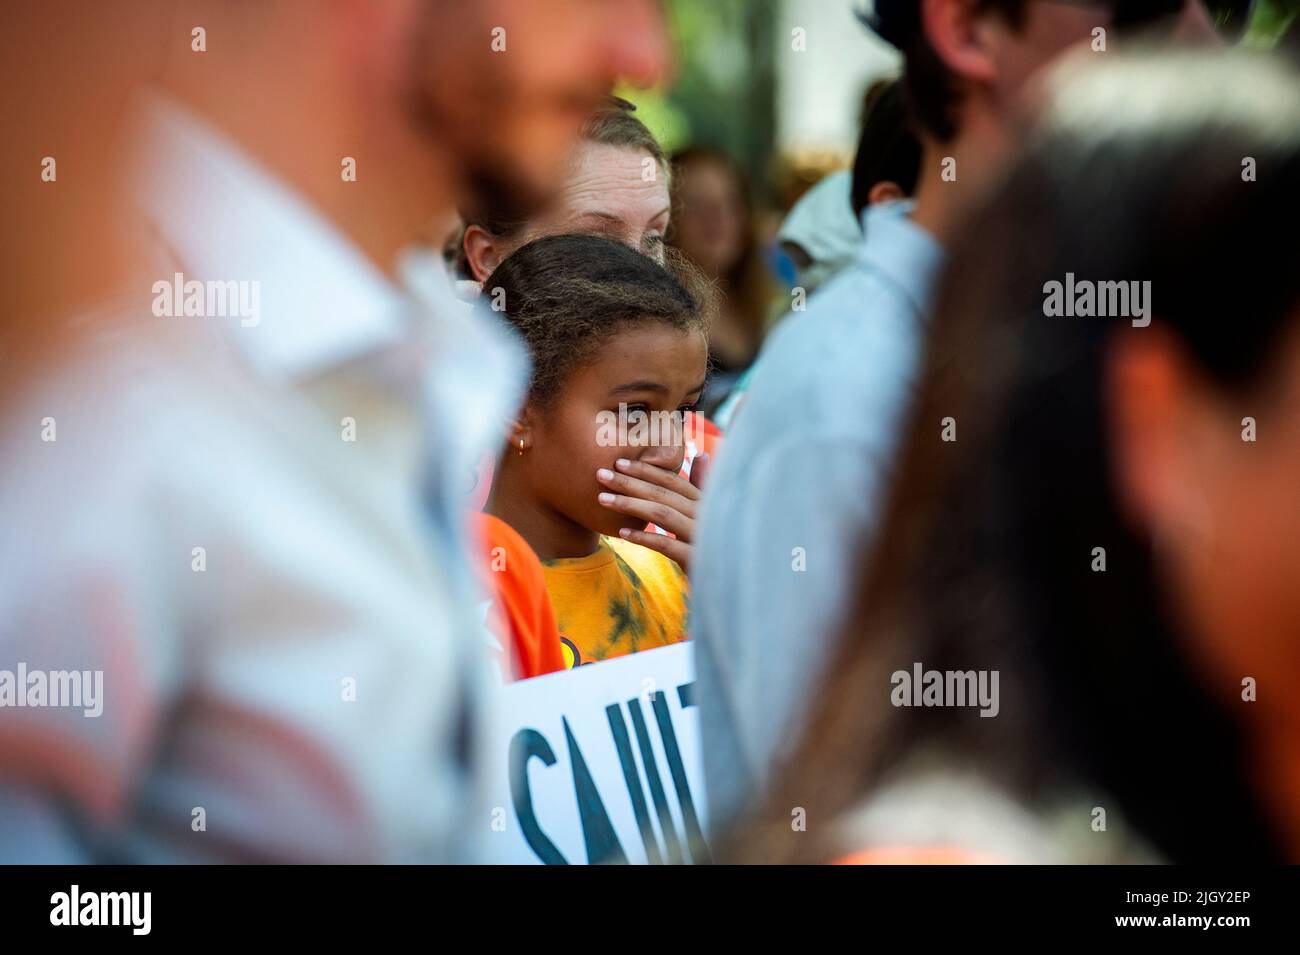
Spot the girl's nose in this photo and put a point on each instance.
(667, 456)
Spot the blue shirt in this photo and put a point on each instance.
(793, 497)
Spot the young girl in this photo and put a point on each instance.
(604, 193)
(616, 341)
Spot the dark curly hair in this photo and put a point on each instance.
(568, 294)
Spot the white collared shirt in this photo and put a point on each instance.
(255, 530)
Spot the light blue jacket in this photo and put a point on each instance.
(793, 497)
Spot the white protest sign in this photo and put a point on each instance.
(602, 764)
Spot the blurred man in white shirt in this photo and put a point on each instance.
(241, 503)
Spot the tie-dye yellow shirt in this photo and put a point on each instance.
(621, 599)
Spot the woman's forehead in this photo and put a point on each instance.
(604, 173)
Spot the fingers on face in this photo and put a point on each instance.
(649, 474)
(645, 490)
(652, 512)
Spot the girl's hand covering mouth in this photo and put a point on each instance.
(657, 496)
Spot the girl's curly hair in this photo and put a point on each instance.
(568, 294)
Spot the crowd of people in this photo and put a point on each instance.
(513, 390)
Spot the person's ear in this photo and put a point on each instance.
(521, 432)
(959, 34)
(1144, 401)
(483, 251)
(885, 191)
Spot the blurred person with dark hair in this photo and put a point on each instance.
(823, 232)
(808, 453)
(234, 490)
(888, 159)
(1114, 531)
(715, 228)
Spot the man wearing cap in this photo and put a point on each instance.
(808, 457)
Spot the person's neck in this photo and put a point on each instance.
(551, 535)
(401, 185)
(944, 196)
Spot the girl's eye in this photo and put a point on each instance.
(653, 240)
(688, 409)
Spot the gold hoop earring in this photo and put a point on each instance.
(521, 445)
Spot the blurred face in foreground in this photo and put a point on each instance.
(1048, 30)
(991, 58)
(508, 84)
(1051, 27)
(1216, 477)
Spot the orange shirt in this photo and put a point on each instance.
(918, 855)
(521, 615)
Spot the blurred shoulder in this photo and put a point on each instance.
(132, 418)
(946, 813)
(499, 539)
(853, 346)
